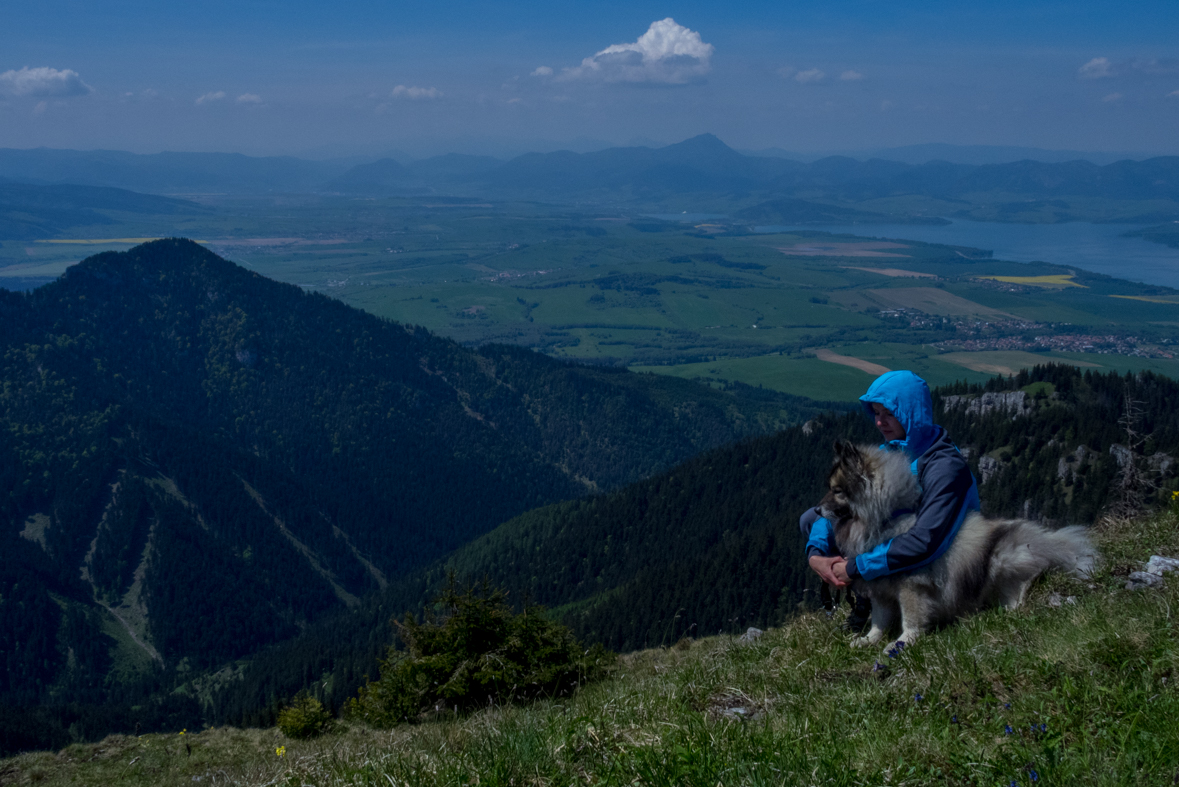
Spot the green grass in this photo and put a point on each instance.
(1098, 674)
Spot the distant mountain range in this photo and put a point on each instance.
(29, 211)
(702, 166)
(963, 154)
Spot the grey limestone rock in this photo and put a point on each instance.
(1152, 572)
(751, 635)
(1014, 403)
(987, 467)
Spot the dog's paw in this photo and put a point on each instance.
(861, 642)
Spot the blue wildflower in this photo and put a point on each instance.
(918, 697)
(1043, 728)
(953, 720)
(1007, 730)
(1034, 776)
(1007, 705)
(1014, 783)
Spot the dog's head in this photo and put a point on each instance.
(846, 482)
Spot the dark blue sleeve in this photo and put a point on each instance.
(817, 529)
(948, 494)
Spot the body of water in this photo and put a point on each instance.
(1100, 248)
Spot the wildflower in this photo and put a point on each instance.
(953, 720)
(1007, 730)
(1014, 783)
(877, 667)
(280, 751)
(917, 697)
(184, 730)
(1043, 728)
(1007, 705)
(1033, 775)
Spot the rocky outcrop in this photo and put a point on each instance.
(1014, 403)
(1070, 463)
(987, 467)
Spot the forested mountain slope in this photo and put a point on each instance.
(713, 544)
(195, 460)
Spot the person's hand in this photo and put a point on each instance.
(824, 567)
(839, 569)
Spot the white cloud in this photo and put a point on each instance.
(1112, 97)
(401, 91)
(1173, 94)
(249, 98)
(1097, 68)
(809, 76)
(542, 71)
(851, 76)
(667, 53)
(43, 82)
(210, 97)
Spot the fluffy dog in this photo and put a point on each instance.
(989, 562)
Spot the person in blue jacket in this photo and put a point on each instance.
(902, 408)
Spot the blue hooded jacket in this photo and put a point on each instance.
(948, 490)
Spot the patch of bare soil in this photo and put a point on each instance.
(895, 272)
(873, 369)
(862, 249)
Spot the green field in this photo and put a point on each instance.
(670, 298)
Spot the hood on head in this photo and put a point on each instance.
(907, 397)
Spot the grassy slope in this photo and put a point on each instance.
(1099, 676)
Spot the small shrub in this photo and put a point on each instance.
(305, 717)
(475, 652)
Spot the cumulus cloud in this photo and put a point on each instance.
(851, 76)
(208, 98)
(542, 71)
(810, 76)
(402, 91)
(668, 54)
(1103, 67)
(1097, 68)
(43, 82)
(249, 98)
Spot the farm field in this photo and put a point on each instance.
(694, 301)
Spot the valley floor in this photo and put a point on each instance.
(1078, 686)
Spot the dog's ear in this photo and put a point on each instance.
(846, 452)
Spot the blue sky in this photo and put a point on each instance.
(421, 78)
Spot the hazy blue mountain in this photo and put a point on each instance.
(168, 173)
(974, 155)
(30, 211)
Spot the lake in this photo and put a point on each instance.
(1095, 247)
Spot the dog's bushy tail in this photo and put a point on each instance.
(1068, 549)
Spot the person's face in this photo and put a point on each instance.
(890, 428)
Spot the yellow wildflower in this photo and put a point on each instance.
(280, 751)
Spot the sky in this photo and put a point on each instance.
(500, 78)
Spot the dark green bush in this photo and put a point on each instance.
(474, 651)
(305, 717)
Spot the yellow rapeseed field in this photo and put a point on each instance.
(1055, 280)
